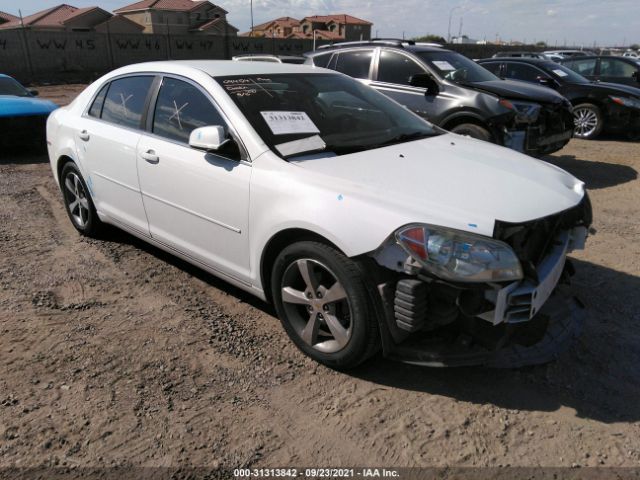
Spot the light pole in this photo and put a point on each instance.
(450, 17)
(251, 18)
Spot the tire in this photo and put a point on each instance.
(474, 131)
(78, 202)
(588, 121)
(336, 324)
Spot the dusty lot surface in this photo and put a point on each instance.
(114, 353)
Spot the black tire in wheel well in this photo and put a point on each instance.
(277, 244)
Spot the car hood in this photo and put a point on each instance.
(12, 106)
(614, 88)
(513, 89)
(448, 180)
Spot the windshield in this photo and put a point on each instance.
(8, 86)
(303, 113)
(565, 74)
(456, 67)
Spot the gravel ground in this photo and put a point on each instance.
(115, 353)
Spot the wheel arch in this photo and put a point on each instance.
(60, 163)
(465, 117)
(279, 242)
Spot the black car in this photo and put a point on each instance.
(597, 106)
(452, 91)
(606, 68)
(518, 54)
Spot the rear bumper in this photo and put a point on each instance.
(561, 319)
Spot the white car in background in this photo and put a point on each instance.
(366, 226)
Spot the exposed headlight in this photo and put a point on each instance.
(626, 101)
(459, 256)
(525, 111)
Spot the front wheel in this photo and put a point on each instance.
(323, 300)
(588, 121)
(472, 130)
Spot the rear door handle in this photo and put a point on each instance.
(84, 135)
(150, 156)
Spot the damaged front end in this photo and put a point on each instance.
(489, 309)
(535, 128)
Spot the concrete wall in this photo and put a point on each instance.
(36, 57)
(48, 57)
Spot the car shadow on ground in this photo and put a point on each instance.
(595, 174)
(598, 377)
(23, 156)
(115, 235)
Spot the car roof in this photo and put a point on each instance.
(219, 68)
(2, 75)
(587, 57)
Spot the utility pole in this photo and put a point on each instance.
(251, 18)
(449, 29)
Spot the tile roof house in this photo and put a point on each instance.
(65, 17)
(326, 27)
(179, 17)
(7, 17)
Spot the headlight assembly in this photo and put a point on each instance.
(459, 256)
(626, 101)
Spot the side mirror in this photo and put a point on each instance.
(424, 80)
(35, 93)
(546, 81)
(208, 138)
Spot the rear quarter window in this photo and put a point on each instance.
(322, 60)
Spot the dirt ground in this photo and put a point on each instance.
(115, 353)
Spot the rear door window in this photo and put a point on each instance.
(356, 64)
(493, 67)
(612, 67)
(397, 68)
(583, 67)
(125, 101)
(521, 71)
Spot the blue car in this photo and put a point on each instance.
(22, 116)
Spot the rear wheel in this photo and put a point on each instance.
(472, 130)
(323, 301)
(588, 121)
(77, 201)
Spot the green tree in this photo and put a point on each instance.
(635, 46)
(430, 38)
(541, 44)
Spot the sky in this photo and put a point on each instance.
(570, 22)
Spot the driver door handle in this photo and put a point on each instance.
(84, 135)
(150, 156)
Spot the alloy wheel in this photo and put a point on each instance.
(317, 306)
(586, 122)
(77, 201)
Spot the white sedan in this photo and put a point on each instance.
(366, 226)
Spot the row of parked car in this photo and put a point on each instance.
(527, 102)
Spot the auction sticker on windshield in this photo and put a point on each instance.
(443, 65)
(560, 73)
(287, 123)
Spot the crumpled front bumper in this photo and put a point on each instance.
(563, 316)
